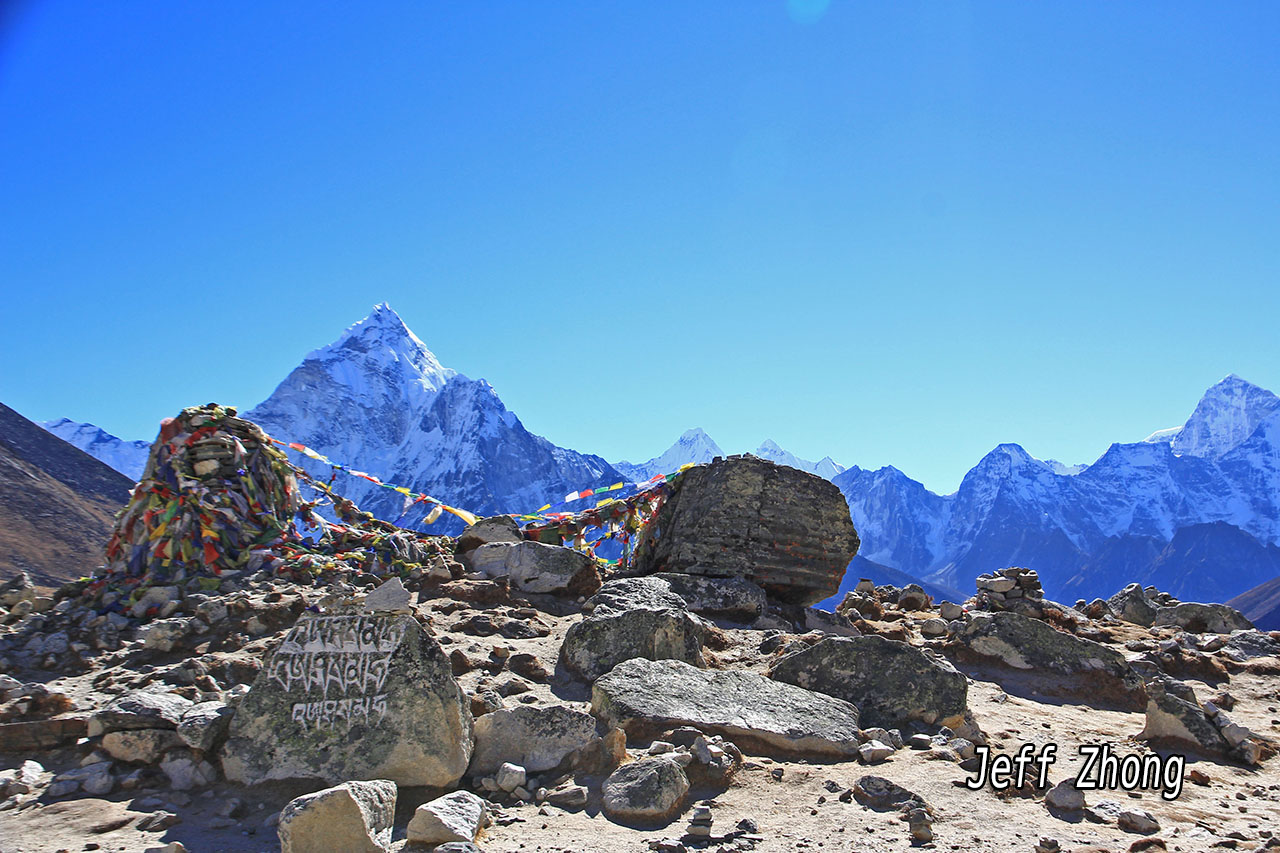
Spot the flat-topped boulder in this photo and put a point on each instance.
(535, 567)
(645, 697)
(1029, 644)
(1201, 618)
(352, 695)
(536, 738)
(783, 529)
(892, 683)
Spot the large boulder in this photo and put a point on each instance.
(648, 790)
(140, 709)
(536, 738)
(355, 817)
(1174, 715)
(783, 529)
(1030, 644)
(535, 567)
(893, 684)
(630, 618)
(1201, 618)
(646, 697)
(352, 695)
(1132, 605)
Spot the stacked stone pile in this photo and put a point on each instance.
(999, 590)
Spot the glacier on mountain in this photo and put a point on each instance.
(127, 457)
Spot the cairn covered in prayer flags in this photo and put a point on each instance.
(215, 496)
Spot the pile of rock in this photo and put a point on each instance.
(1008, 588)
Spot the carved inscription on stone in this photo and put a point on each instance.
(336, 666)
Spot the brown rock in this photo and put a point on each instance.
(780, 528)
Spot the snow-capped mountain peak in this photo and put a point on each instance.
(1226, 415)
(826, 468)
(693, 446)
(127, 457)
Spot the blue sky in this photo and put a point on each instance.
(895, 233)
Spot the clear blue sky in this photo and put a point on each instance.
(896, 233)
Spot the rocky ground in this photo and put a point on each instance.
(772, 791)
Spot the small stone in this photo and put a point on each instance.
(510, 776)
(1065, 796)
(874, 752)
(568, 797)
(1137, 820)
(648, 789)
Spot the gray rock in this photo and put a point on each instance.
(934, 627)
(1201, 618)
(354, 817)
(651, 789)
(537, 738)
(1137, 820)
(1131, 605)
(163, 634)
(568, 796)
(457, 847)
(22, 779)
(187, 770)
(390, 597)
(140, 710)
(1065, 797)
(535, 567)
(1246, 645)
(913, 597)
(646, 697)
(1030, 644)
(17, 588)
(454, 817)
(351, 695)
(1175, 714)
(892, 684)
(874, 752)
(950, 611)
(783, 529)
(205, 725)
(728, 598)
(510, 776)
(499, 528)
(629, 618)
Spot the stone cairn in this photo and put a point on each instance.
(997, 589)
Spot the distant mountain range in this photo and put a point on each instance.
(57, 504)
(1194, 509)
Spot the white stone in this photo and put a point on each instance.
(874, 752)
(454, 817)
(354, 817)
(510, 776)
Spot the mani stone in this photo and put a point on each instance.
(355, 817)
(536, 738)
(1030, 644)
(893, 684)
(785, 530)
(535, 567)
(632, 618)
(645, 697)
(350, 695)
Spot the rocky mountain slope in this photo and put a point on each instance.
(56, 503)
(1140, 510)
(1261, 604)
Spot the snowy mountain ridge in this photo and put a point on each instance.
(127, 457)
(1222, 466)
